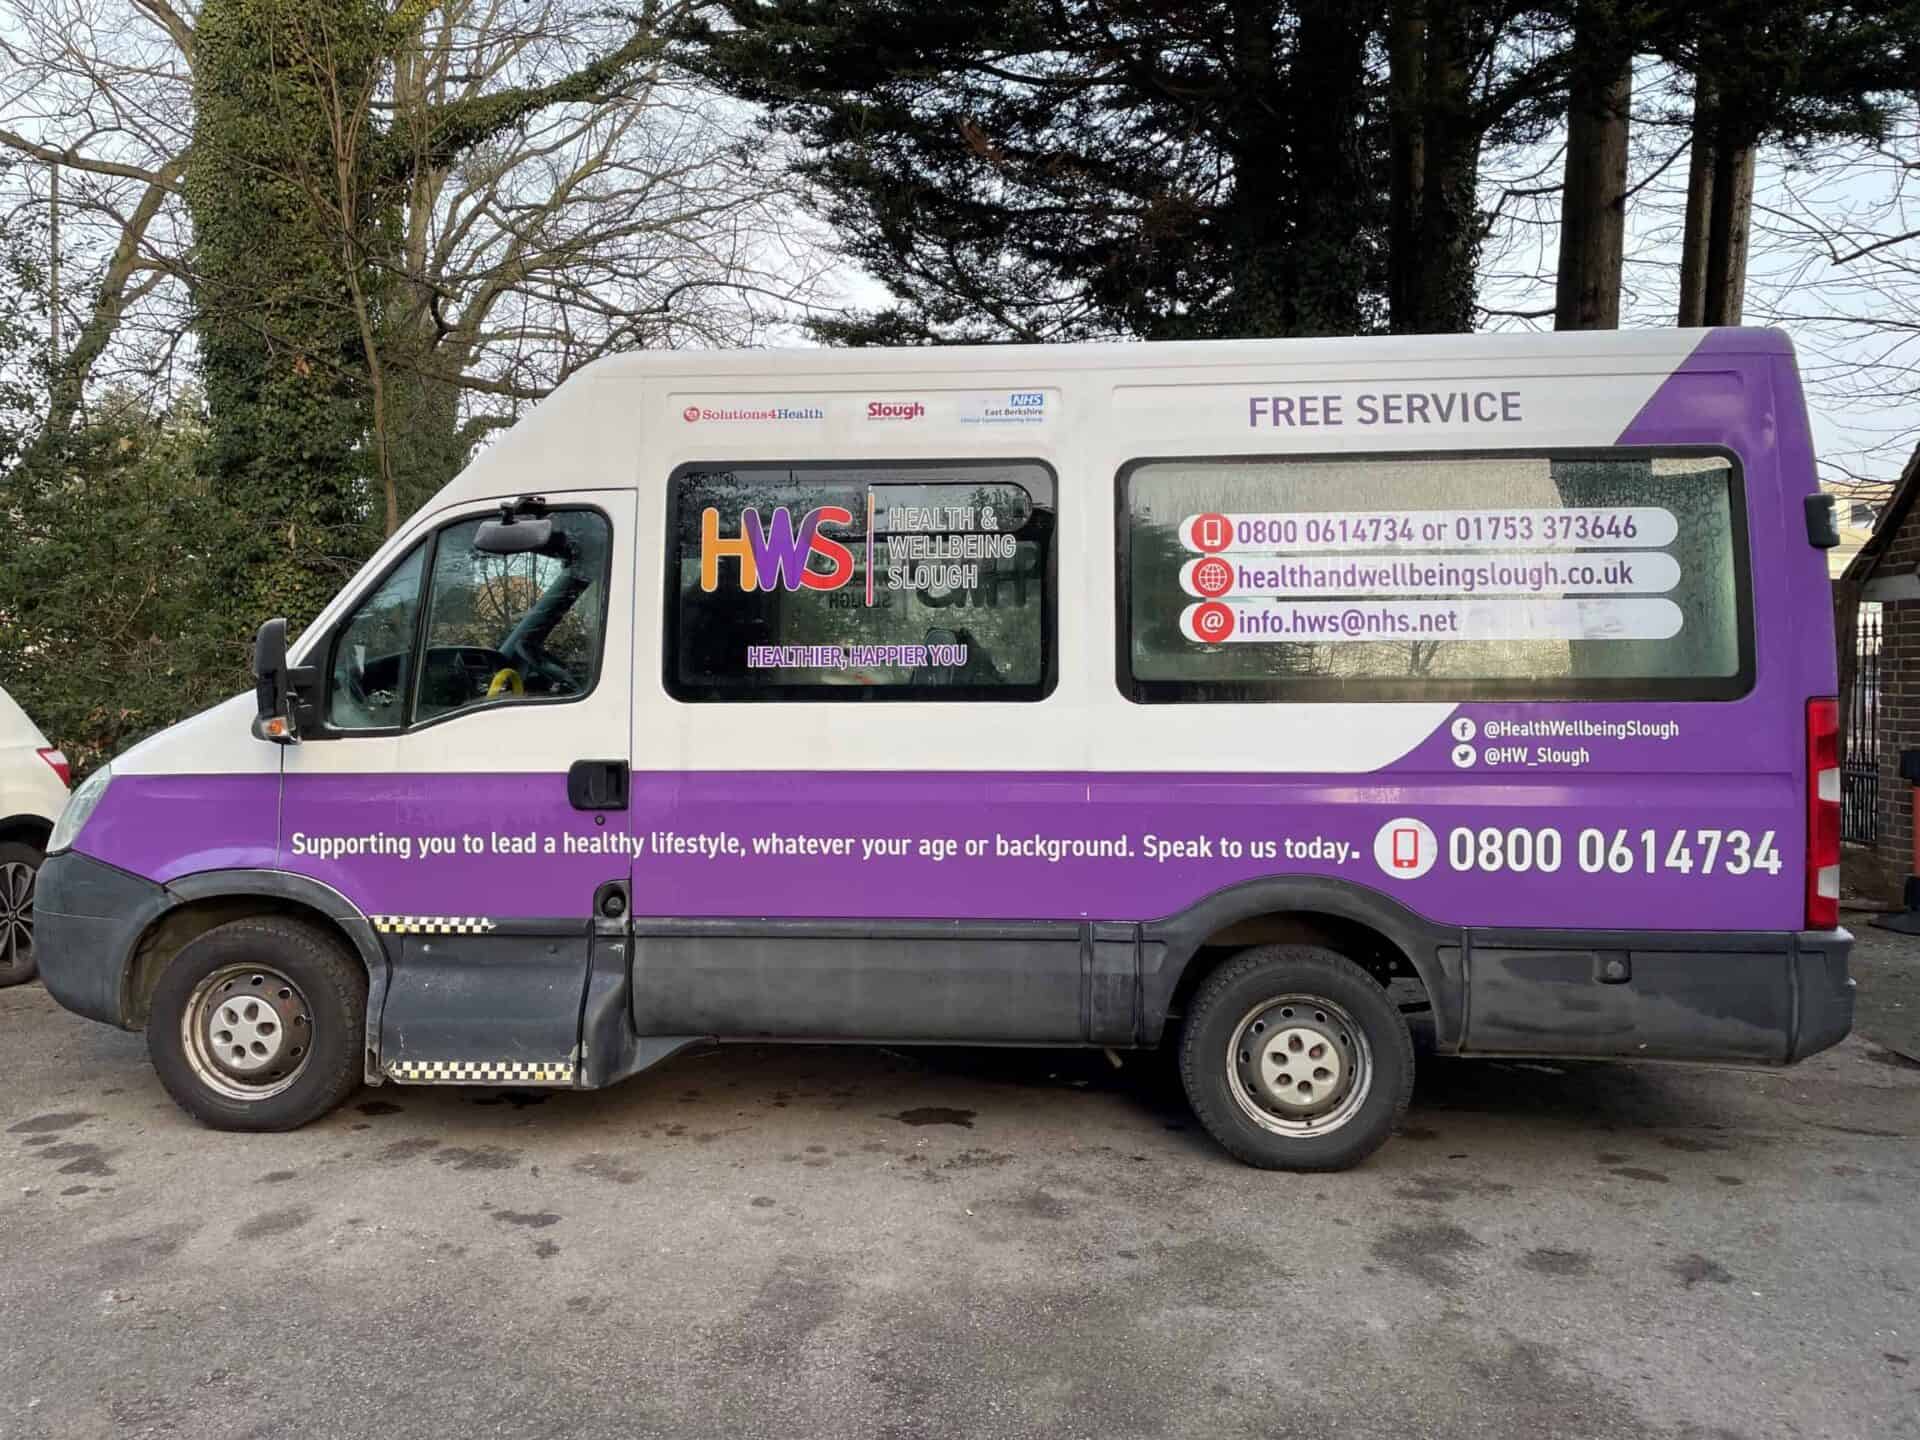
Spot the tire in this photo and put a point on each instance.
(19, 865)
(259, 1024)
(1290, 1105)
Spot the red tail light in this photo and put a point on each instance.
(1823, 814)
(59, 763)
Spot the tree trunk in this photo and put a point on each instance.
(1329, 87)
(1448, 243)
(1696, 240)
(1406, 91)
(1594, 210)
(67, 384)
(1732, 220)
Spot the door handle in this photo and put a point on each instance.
(598, 784)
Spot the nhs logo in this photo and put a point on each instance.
(1006, 407)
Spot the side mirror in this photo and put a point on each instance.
(513, 537)
(273, 714)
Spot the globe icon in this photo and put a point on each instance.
(1213, 577)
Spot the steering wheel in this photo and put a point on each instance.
(506, 679)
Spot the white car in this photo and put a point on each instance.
(33, 788)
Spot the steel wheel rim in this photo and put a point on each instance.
(1283, 1086)
(16, 916)
(247, 1031)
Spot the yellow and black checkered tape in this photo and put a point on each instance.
(482, 1072)
(431, 924)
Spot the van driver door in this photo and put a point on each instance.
(467, 787)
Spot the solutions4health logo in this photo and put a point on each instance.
(694, 414)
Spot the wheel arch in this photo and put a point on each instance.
(1392, 940)
(28, 829)
(213, 897)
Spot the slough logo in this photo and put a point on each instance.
(895, 409)
(774, 555)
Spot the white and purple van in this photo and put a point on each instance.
(1274, 700)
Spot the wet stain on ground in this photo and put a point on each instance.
(937, 1115)
(1610, 1157)
(1692, 1269)
(274, 1222)
(605, 1167)
(762, 1202)
(1729, 1179)
(1440, 1189)
(76, 1190)
(379, 1107)
(1867, 1130)
(275, 1177)
(1417, 1132)
(40, 1140)
(545, 1249)
(518, 1099)
(1039, 1205)
(533, 1220)
(50, 1123)
(976, 1159)
(1880, 1055)
(1845, 1172)
(409, 1149)
(124, 1254)
(1562, 1263)
(587, 1304)
(1690, 1145)
(81, 1158)
(1635, 1172)
(480, 1157)
(1427, 1252)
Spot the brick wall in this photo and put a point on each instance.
(1899, 697)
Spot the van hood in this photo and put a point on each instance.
(217, 741)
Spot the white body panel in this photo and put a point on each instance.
(28, 787)
(627, 422)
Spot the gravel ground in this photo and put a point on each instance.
(843, 1242)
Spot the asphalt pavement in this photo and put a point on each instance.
(842, 1242)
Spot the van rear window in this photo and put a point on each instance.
(853, 582)
(1610, 575)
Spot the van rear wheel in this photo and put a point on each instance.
(1294, 1058)
(258, 1025)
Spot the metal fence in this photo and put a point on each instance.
(1860, 766)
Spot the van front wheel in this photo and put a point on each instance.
(1294, 1058)
(258, 1025)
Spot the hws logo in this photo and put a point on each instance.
(774, 555)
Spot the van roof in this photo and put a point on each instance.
(1618, 344)
(581, 436)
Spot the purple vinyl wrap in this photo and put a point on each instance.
(1727, 766)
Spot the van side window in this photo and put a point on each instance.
(1598, 575)
(372, 668)
(910, 580)
(505, 628)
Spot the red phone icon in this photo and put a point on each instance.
(1406, 848)
(1211, 533)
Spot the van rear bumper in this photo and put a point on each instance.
(87, 917)
(1751, 998)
